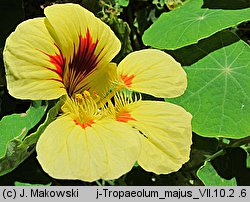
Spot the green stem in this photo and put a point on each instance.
(240, 142)
(215, 155)
(235, 143)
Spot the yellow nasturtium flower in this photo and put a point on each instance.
(102, 130)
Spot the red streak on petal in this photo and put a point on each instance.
(58, 61)
(54, 79)
(127, 79)
(84, 125)
(125, 117)
(83, 62)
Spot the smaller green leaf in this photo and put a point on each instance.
(208, 175)
(189, 24)
(123, 3)
(16, 126)
(18, 150)
(51, 115)
(28, 184)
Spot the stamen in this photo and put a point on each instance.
(102, 102)
(124, 98)
(83, 109)
(78, 97)
(120, 109)
(86, 94)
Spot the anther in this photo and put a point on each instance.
(86, 94)
(78, 97)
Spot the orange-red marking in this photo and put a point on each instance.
(84, 125)
(125, 117)
(83, 62)
(127, 79)
(58, 61)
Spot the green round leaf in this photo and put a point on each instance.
(210, 177)
(218, 93)
(16, 126)
(190, 23)
(17, 150)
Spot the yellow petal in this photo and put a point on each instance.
(153, 72)
(104, 149)
(86, 41)
(33, 63)
(167, 135)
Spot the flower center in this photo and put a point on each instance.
(82, 108)
(85, 109)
